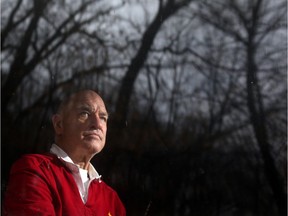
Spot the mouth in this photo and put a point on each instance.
(92, 135)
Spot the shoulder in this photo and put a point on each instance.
(104, 185)
(33, 161)
(104, 189)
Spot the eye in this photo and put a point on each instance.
(84, 114)
(104, 118)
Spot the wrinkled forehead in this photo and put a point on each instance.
(90, 99)
(83, 99)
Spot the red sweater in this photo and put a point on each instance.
(43, 185)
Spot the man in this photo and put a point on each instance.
(64, 182)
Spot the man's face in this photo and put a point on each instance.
(84, 124)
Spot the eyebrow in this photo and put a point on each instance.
(105, 114)
(91, 109)
(84, 107)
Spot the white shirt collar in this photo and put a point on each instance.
(55, 149)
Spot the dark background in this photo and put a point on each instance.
(196, 91)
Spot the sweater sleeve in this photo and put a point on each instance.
(28, 190)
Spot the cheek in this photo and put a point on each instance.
(105, 129)
(74, 127)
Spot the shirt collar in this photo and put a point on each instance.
(61, 154)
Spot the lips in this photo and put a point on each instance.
(92, 134)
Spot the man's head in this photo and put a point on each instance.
(80, 124)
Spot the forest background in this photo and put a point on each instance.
(196, 90)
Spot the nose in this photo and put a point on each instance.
(95, 121)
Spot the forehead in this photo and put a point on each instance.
(86, 99)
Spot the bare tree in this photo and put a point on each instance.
(255, 22)
(36, 43)
(189, 100)
(166, 9)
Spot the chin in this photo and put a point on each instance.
(95, 148)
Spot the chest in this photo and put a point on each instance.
(67, 199)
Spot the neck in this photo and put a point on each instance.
(82, 160)
(82, 165)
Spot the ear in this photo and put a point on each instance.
(57, 124)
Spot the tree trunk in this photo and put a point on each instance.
(18, 70)
(257, 117)
(138, 61)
